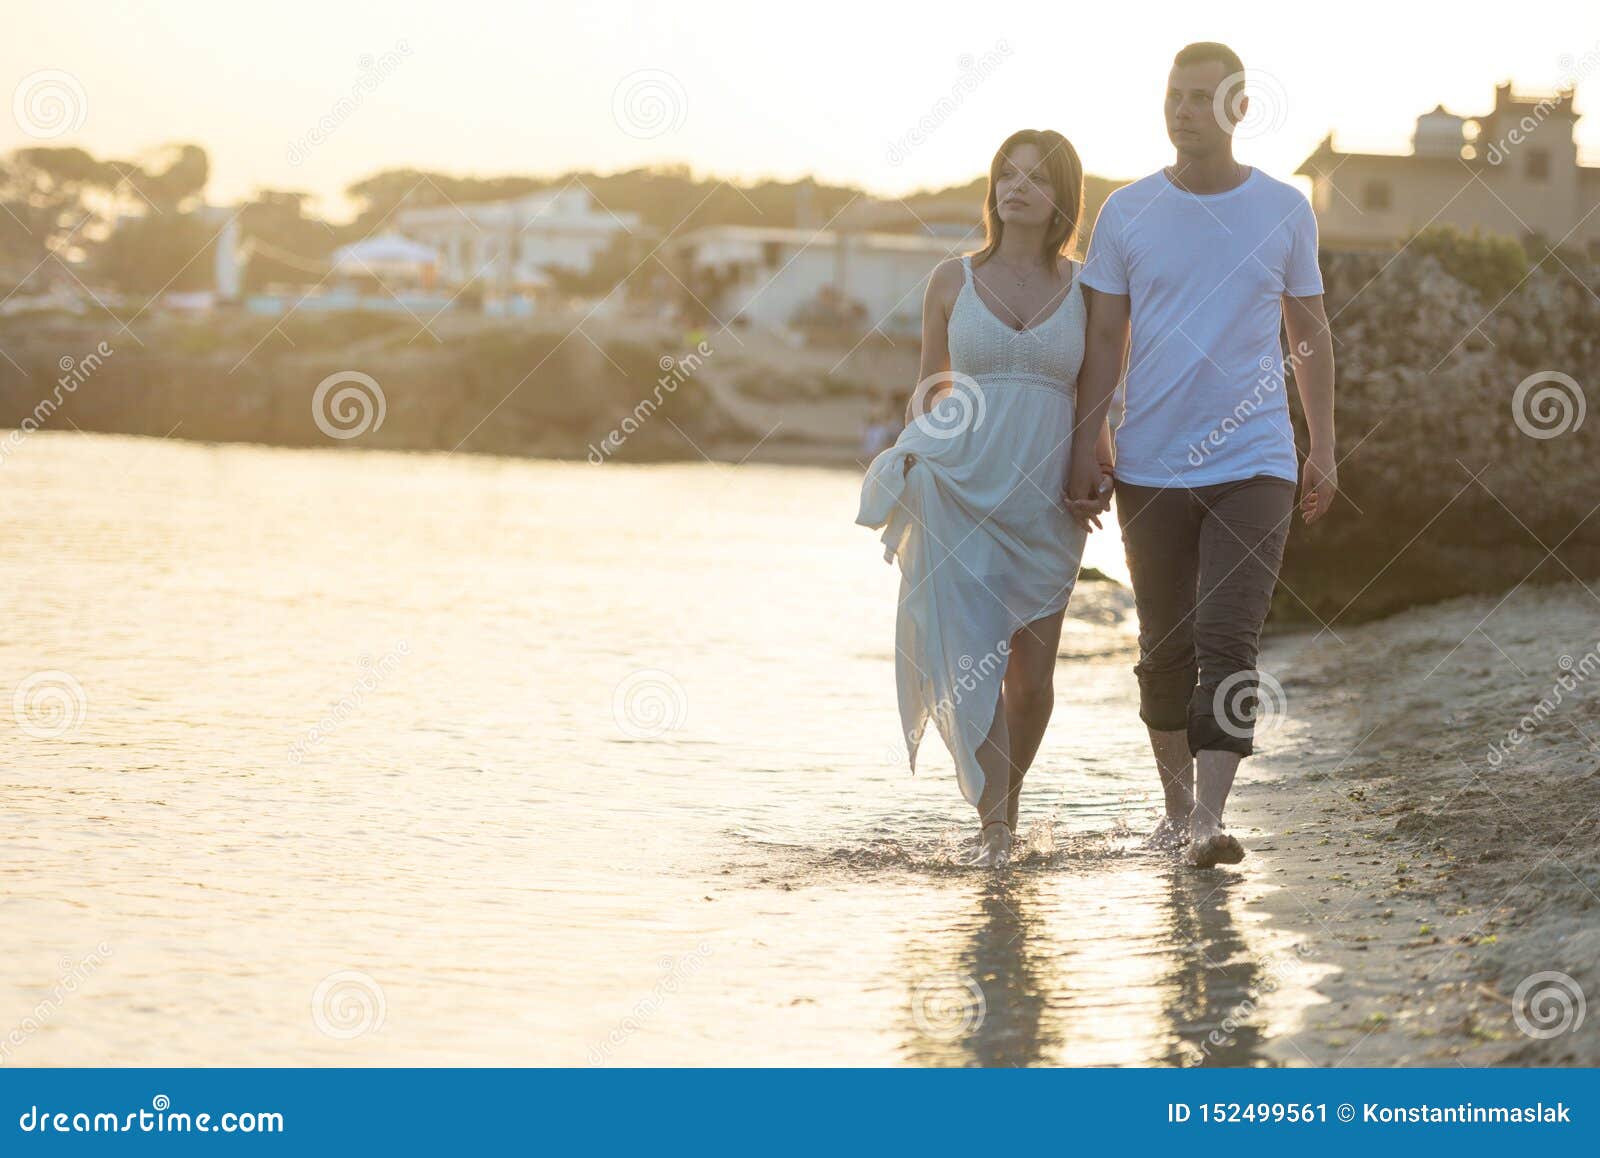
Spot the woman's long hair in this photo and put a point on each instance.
(1065, 174)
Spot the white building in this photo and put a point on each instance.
(776, 277)
(559, 229)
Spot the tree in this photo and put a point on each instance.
(154, 254)
(46, 201)
(290, 246)
(174, 180)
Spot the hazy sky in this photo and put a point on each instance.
(744, 89)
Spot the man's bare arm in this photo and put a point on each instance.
(1105, 349)
(1311, 343)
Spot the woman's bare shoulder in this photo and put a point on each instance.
(945, 281)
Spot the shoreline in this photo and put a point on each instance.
(1453, 900)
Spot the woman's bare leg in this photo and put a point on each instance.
(1029, 698)
(994, 757)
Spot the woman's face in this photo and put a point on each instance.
(1023, 194)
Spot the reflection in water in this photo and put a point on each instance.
(1212, 983)
(989, 1005)
(1014, 987)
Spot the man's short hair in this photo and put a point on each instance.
(1206, 50)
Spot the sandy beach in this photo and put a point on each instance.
(1434, 877)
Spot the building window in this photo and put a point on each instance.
(1377, 196)
(1538, 164)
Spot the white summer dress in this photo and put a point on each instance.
(969, 501)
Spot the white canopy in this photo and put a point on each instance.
(387, 252)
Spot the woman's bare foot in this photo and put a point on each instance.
(1169, 835)
(995, 851)
(1208, 849)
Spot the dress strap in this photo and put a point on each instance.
(966, 265)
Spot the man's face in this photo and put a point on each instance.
(1198, 123)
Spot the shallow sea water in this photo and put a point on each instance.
(345, 757)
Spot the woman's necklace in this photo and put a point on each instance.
(1021, 284)
(1019, 280)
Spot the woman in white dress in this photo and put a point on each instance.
(970, 498)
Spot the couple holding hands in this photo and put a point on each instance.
(1008, 460)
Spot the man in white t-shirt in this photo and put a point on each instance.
(1191, 270)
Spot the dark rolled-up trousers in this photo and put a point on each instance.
(1204, 562)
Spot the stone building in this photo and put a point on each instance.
(1514, 171)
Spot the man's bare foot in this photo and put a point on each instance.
(1208, 850)
(1169, 835)
(996, 845)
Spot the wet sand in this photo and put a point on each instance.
(1450, 877)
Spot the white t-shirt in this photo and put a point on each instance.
(1206, 275)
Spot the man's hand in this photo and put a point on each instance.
(1088, 493)
(1319, 483)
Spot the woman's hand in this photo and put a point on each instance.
(1088, 493)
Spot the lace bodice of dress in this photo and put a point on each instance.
(982, 346)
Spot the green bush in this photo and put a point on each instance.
(1491, 264)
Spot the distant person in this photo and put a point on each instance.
(1200, 263)
(881, 429)
(894, 421)
(874, 437)
(970, 496)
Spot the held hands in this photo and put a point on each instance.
(1088, 493)
(1319, 483)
